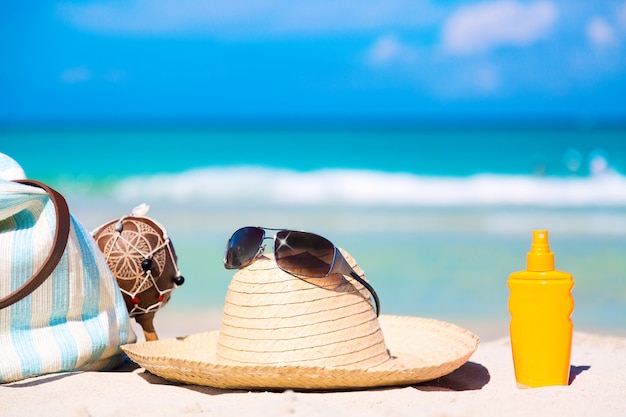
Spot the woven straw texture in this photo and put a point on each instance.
(283, 332)
(421, 349)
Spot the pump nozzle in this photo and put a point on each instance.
(540, 258)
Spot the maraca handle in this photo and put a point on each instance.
(146, 321)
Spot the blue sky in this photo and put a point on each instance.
(160, 61)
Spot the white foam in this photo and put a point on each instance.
(373, 188)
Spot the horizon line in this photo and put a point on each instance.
(246, 123)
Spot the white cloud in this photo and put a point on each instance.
(389, 48)
(482, 27)
(76, 75)
(600, 33)
(239, 18)
(82, 74)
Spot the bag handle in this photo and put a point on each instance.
(61, 236)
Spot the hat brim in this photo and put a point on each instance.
(421, 349)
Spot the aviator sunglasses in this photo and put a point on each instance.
(301, 254)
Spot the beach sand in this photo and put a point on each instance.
(484, 386)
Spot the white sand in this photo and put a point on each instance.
(485, 386)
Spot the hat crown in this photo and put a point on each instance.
(274, 318)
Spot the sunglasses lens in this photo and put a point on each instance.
(303, 253)
(242, 247)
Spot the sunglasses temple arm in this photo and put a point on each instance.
(369, 288)
(342, 266)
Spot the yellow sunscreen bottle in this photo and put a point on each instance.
(541, 306)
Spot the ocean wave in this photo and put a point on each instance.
(227, 185)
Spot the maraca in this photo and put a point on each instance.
(144, 263)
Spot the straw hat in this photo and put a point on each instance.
(283, 332)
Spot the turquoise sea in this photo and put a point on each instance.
(436, 217)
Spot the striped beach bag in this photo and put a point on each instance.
(60, 306)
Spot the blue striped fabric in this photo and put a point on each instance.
(21, 312)
(77, 319)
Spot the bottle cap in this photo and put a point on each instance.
(540, 258)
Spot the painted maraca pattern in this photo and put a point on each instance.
(144, 263)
